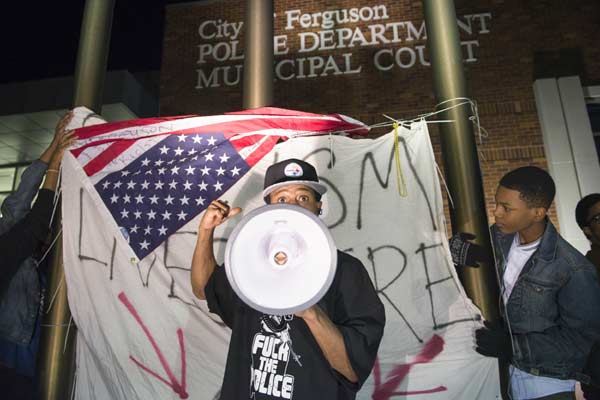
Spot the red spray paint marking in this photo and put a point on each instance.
(172, 383)
(384, 391)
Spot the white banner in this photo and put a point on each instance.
(143, 335)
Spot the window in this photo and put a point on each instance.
(10, 177)
(594, 113)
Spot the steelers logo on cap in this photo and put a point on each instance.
(293, 170)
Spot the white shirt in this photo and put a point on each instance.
(517, 258)
(522, 384)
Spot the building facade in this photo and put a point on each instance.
(533, 69)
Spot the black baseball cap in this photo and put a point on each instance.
(292, 171)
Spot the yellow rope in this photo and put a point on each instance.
(402, 189)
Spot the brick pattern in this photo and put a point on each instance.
(501, 81)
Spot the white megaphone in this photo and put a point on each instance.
(280, 259)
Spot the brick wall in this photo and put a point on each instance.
(527, 40)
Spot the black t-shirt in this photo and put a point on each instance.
(272, 357)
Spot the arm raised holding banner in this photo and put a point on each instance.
(17, 204)
(24, 237)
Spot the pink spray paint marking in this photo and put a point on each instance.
(385, 391)
(177, 387)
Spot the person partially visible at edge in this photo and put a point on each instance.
(550, 294)
(587, 215)
(324, 352)
(23, 231)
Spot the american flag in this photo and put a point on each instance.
(155, 175)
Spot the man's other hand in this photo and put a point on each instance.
(493, 341)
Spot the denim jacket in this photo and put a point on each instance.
(553, 312)
(20, 298)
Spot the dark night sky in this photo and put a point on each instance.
(40, 39)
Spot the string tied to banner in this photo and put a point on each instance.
(401, 182)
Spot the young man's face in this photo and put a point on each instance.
(298, 194)
(512, 213)
(592, 230)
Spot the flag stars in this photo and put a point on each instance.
(224, 158)
(182, 176)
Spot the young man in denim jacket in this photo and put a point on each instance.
(550, 294)
(550, 297)
(20, 286)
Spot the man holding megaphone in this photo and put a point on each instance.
(325, 351)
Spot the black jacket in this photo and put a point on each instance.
(25, 236)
